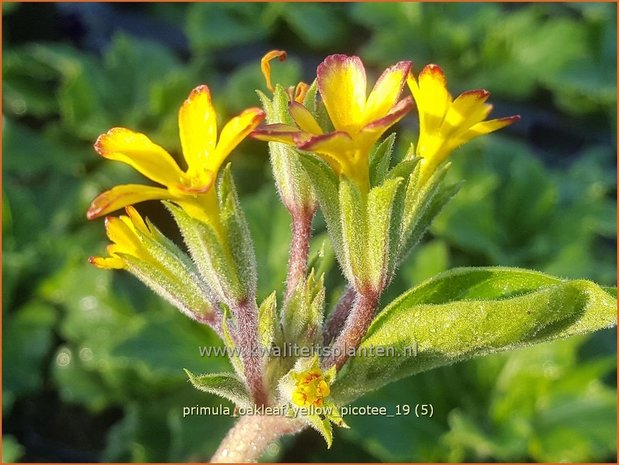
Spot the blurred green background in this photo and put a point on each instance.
(92, 360)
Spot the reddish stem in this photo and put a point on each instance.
(354, 329)
(299, 248)
(246, 338)
(338, 317)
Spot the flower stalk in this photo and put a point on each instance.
(355, 327)
(251, 435)
(299, 248)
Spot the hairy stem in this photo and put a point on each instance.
(246, 335)
(299, 247)
(250, 436)
(338, 317)
(354, 329)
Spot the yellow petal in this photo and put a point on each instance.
(336, 148)
(486, 127)
(233, 133)
(204, 207)
(386, 91)
(304, 119)
(108, 263)
(123, 195)
(467, 109)
(141, 153)
(371, 132)
(197, 124)
(342, 85)
(122, 233)
(396, 113)
(137, 220)
(476, 130)
(435, 99)
(337, 144)
(298, 398)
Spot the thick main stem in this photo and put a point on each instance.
(250, 436)
(299, 247)
(354, 329)
(247, 339)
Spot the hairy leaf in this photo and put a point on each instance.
(225, 385)
(468, 312)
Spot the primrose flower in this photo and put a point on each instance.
(138, 247)
(358, 120)
(444, 123)
(203, 151)
(312, 386)
(123, 232)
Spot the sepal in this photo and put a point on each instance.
(423, 199)
(212, 256)
(233, 349)
(302, 316)
(238, 234)
(380, 159)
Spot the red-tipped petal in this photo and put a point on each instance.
(396, 114)
(386, 91)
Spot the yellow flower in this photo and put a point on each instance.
(203, 151)
(444, 123)
(312, 387)
(358, 120)
(124, 232)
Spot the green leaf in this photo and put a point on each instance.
(469, 312)
(272, 238)
(213, 26)
(226, 385)
(27, 339)
(315, 25)
(12, 450)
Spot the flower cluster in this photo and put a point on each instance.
(325, 149)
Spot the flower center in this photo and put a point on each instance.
(311, 389)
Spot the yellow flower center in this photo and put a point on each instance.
(311, 389)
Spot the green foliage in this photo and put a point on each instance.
(470, 312)
(105, 344)
(12, 450)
